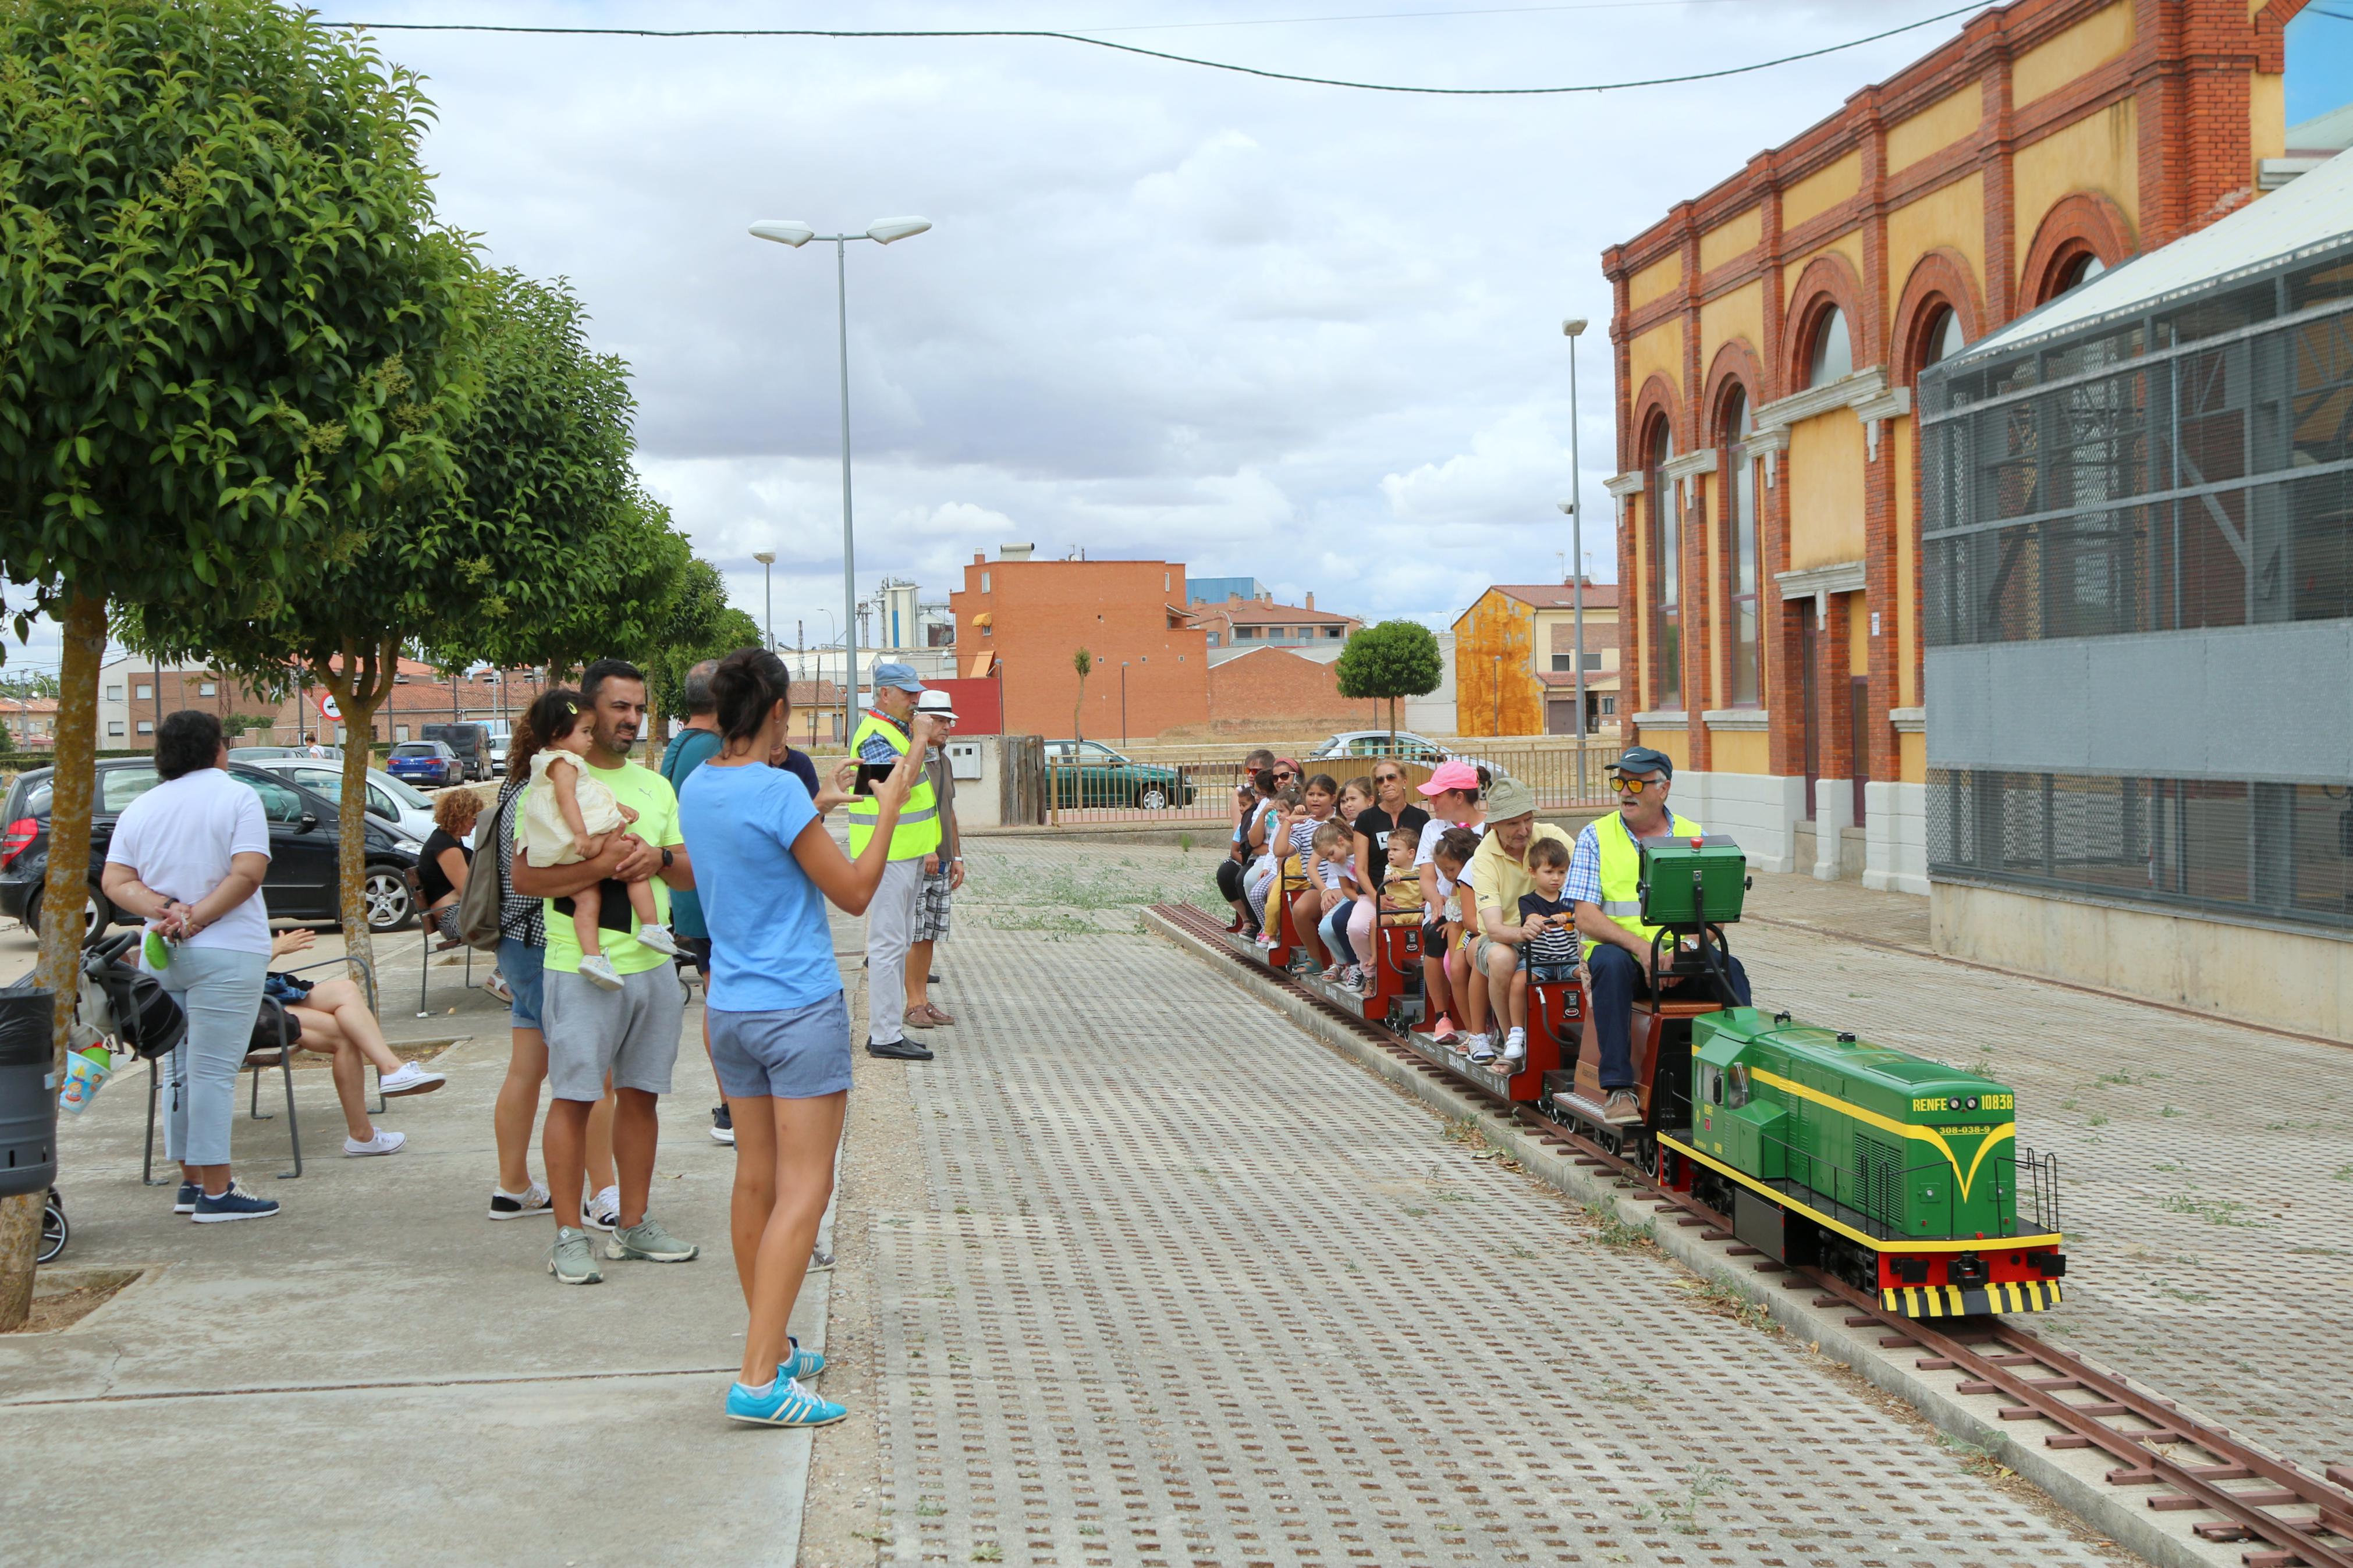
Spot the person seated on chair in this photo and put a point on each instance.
(1604, 875)
(1501, 876)
(443, 862)
(1548, 926)
(335, 1019)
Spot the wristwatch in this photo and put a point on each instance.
(668, 860)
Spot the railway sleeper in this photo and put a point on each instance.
(2260, 1496)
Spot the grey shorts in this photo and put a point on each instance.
(785, 1053)
(931, 901)
(631, 1034)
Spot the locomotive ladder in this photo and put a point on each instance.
(2300, 1519)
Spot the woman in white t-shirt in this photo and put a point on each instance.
(1453, 795)
(188, 857)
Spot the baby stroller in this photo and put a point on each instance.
(54, 1231)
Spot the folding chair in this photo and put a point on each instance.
(426, 948)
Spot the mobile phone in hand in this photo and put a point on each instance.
(869, 772)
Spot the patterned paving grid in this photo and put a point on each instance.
(1195, 1291)
(2206, 1173)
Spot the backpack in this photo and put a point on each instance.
(143, 1014)
(478, 907)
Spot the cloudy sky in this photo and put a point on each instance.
(1298, 333)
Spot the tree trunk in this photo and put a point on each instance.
(63, 895)
(360, 686)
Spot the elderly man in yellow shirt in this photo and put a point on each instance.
(1499, 876)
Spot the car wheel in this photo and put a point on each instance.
(1152, 797)
(385, 893)
(96, 916)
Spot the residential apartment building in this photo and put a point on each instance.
(1022, 621)
(2137, 549)
(1236, 624)
(1516, 653)
(1218, 590)
(1768, 335)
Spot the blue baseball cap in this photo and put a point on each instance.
(901, 676)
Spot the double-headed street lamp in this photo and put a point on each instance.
(767, 560)
(1574, 329)
(885, 231)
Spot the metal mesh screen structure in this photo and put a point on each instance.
(2183, 469)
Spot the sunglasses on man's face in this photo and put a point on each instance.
(1625, 785)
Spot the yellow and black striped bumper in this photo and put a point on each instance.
(1953, 1301)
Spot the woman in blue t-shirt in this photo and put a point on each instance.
(779, 1027)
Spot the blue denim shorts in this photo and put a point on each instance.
(522, 964)
(786, 1053)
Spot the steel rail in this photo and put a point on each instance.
(2023, 1375)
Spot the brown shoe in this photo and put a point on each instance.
(939, 1017)
(918, 1018)
(1623, 1108)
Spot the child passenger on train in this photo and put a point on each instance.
(1548, 925)
(1450, 856)
(1398, 901)
(1321, 794)
(1290, 810)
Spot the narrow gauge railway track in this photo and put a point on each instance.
(2291, 1517)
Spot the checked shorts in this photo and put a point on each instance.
(932, 909)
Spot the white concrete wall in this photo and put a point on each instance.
(1895, 829)
(2263, 973)
(1755, 809)
(1833, 811)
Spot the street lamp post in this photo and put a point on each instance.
(767, 560)
(884, 231)
(1573, 328)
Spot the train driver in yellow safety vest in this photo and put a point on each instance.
(1604, 874)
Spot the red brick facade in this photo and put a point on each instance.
(1904, 204)
(1032, 616)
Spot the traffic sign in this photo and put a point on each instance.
(327, 708)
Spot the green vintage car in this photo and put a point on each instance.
(1088, 774)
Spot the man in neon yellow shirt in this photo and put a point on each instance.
(630, 1034)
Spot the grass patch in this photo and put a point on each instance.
(1977, 1461)
(2213, 1211)
(2165, 1289)
(1730, 1301)
(1612, 1231)
(1682, 1514)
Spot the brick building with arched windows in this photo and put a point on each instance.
(1767, 334)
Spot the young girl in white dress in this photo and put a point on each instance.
(566, 819)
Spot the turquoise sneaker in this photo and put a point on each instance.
(782, 1402)
(798, 1362)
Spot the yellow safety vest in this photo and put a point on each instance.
(918, 829)
(1621, 873)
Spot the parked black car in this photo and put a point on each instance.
(302, 884)
(471, 741)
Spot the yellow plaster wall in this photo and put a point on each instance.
(1735, 236)
(1738, 314)
(1825, 474)
(1676, 743)
(1821, 190)
(1703, 593)
(1657, 278)
(1935, 128)
(2089, 44)
(1907, 602)
(1912, 759)
(2267, 113)
(1952, 217)
(1635, 591)
(1495, 694)
(1659, 351)
(1858, 634)
(2099, 152)
(1740, 752)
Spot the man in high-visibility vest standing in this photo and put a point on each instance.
(1604, 874)
(881, 738)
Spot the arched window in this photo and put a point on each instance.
(1942, 339)
(1741, 558)
(2074, 272)
(1831, 355)
(1666, 553)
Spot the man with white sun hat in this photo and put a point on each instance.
(942, 868)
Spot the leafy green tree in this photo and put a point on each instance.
(223, 303)
(699, 624)
(1084, 663)
(1392, 659)
(543, 550)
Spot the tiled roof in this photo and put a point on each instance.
(1556, 595)
(1258, 613)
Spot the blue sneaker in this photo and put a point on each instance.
(234, 1203)
(800, 1363)
(187, 1201)
(782, 1402)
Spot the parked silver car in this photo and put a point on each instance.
(1405, 746)
(389, 800)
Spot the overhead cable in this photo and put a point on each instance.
(840, 32)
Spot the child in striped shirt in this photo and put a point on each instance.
(1549, 950)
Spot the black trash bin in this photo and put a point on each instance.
(28, 1094)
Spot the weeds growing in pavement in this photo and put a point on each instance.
(1731, 1301)
(1977, 1461)
(988, 1552)
(2344, 1173)
(929, 1507)
(1612, 1231)
(1682, 1514)
(2214, 1211)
